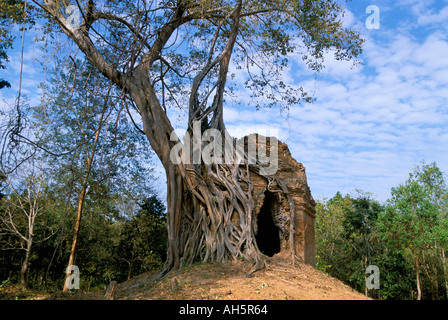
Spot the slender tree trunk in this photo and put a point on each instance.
(435, 281)
(81, 201)
(417, 271)
(365, 275)
(26, 263)
(82, 195)
(29, 207)
(130, 265)
(71, 260)
(29, 243)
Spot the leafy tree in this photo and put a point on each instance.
(143, 238)
(330, 232)
(87, 135)
(360, 226)
(164, 46)
(432, 179)
(346, 237)
(20, 216)
(412, 216)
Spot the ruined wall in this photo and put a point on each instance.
(292, 173)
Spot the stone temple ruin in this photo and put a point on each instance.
(273, 214)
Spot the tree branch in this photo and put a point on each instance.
(83, 42)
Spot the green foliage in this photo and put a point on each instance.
(348, 226)
(353, 232)
(109, 249)
(415, 220)
(144, 238)
(329, 231)
(269, 32)
(408, 222)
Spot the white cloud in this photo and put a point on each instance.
(371, 124)
(430, 17)
(370, 135)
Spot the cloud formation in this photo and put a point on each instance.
(371, 124)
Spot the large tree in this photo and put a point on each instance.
(177, 54)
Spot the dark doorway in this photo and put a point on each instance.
(267, 237)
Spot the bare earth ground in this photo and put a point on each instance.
(278, 281)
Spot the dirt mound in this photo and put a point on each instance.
(278, 281)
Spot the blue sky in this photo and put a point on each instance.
(371, 124)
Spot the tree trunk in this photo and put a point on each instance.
(71, 260)
(435, 281)
(365, 276)
(417, 271)
(82, 195)
(130, 265)
(210, 216)
(110, 292)
(26, 263)
(210, 209)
